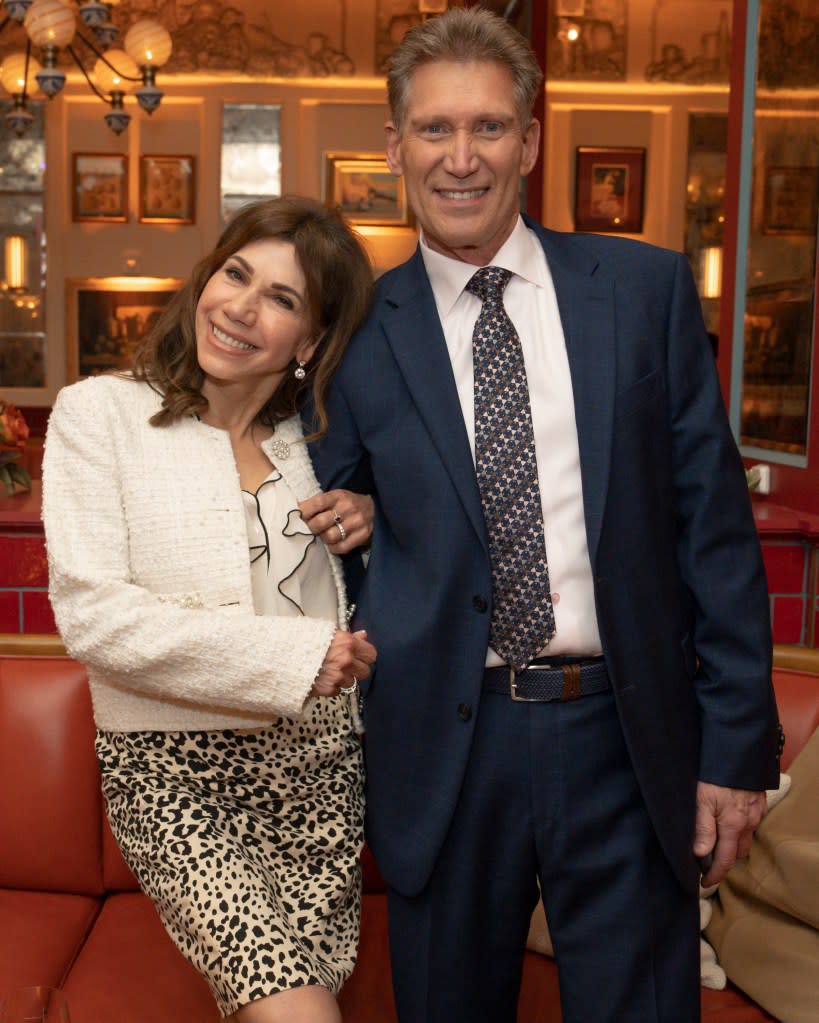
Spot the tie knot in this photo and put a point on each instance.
(489, 282)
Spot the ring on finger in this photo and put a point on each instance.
(342, 532)
(349, 690)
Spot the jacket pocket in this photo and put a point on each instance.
(639, 394)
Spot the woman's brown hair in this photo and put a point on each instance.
(338, 278)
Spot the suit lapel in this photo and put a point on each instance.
(417, 341)
(586, 304)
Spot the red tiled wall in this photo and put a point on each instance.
(788, 567)
(24, 605)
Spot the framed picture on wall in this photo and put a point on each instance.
(791, 200)
(609, 189)
(366, 190)
(107, 316)
(167, 190)
(99, 185)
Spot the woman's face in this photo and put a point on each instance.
(252, 318)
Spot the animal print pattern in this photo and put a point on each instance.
(248, 843)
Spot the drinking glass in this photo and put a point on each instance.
(39, 1004)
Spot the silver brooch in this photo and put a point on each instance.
(281, 449)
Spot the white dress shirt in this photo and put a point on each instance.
(531, 304)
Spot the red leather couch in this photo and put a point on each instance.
(71, 914)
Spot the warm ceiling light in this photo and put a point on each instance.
(16, 263)
(13, 74)
(711, 271)
(115, 72)
(51, 25)
(148, 43)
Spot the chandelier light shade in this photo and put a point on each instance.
(115, 72)
(49, 23)
(52, 25)
(15, 77)
(148, 44)
(18, 78)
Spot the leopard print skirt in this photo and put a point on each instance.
(248, 843)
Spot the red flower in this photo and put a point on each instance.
(13, 427)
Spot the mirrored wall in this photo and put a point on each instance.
(775, 314)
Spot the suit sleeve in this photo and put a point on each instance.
(720, 562)
(339, 457)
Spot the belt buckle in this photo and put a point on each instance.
(571, 683)
(513, 688)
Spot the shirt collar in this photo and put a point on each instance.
(449, 276)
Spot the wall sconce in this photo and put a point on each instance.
(16, 251)
(711, 271)
(51, 25)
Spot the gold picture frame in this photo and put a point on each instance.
(99, 185)
(365, 190)
(167, 189)
(107, 316)
(609, 189)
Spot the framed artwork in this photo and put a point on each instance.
(167, 189)
(362, 185)
(99, 187)
(609, 189)
(107, 316)
(791, 200)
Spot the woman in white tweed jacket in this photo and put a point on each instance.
(212, 621)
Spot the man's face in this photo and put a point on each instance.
(462, 153)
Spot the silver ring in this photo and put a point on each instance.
(342, 531)
(349, 690)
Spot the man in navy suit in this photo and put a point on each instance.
(642, 734)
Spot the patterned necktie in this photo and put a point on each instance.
(523, 618)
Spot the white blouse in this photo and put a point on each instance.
(290, 573)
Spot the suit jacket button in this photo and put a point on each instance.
(464, 711)
(479, 603)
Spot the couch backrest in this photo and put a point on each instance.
(49, 782)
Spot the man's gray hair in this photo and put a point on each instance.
(464, 34)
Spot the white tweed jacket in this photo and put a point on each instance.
(149, 567)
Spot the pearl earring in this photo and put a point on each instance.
(300, 372)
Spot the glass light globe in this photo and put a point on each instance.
(108, 80)
(12, 74)
(49, 23)
(148, 43)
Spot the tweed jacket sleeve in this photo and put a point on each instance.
(148, 563)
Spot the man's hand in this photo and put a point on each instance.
(725, 823)
(342, 519)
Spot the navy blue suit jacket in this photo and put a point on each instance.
(681, 599)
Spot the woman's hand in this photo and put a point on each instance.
(346, 662)
(342, 519)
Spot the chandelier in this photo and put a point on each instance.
(51, 25)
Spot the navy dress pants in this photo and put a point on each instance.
(549, 793)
